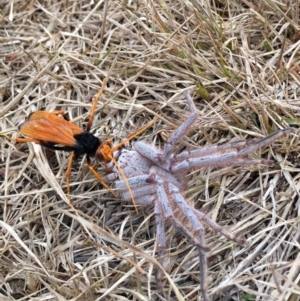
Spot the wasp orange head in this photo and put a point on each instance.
(104, 151)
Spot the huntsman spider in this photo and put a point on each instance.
(160, 178)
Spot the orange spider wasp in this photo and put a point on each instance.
(53, 130)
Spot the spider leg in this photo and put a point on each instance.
(143, 186)
(215, 156)
(197, 229)
(163, 210)
(196, 225)
(162, 198)
(181, 131)
(229, 154)
(216, 161)
(133, 181)
(161, 244)
(143, 190)
(231, 158)
(160, 230)
(211, 150)
(202, 257)
(199, 238)
(242, 147)
(203, 273)
(140, 189)
(265, 141)
(203, 217)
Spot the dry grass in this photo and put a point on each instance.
(241, 58)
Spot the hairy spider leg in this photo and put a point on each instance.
(182, 130)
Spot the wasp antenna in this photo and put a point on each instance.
(143, 129)
(126, 183)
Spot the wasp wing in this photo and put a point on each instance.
(56, 120)
(51, 128)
